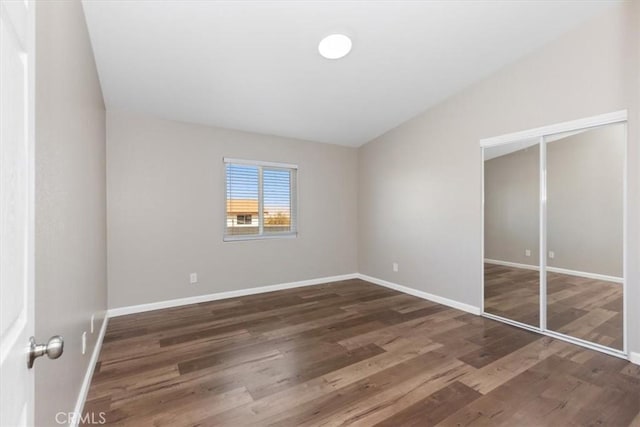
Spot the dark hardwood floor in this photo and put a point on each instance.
(583, 308)
(349, 353)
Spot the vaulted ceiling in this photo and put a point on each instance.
(254, 65)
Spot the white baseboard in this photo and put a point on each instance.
(559, 270)
(585, 274)
(86, 383)
(420, 294)
(511, 264)
(634, 358)
(121, 311)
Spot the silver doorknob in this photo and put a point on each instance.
(53, 349)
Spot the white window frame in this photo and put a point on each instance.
(294, 200)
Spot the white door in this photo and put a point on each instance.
(16, 211)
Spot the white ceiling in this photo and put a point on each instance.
(254, 65)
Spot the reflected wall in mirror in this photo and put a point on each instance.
(585, 186)
(511, 231)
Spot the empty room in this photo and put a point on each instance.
(320, 213)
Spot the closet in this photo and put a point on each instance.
(554, 230)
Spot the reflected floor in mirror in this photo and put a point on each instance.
(512, 293)
(583, 308)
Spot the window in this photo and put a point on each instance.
(260, 200)
(243, 220)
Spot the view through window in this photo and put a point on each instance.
(260, 200)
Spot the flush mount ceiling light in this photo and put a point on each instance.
(334, 46)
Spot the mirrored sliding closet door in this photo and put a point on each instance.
(554, 226)
(585, 192)
(511, 231)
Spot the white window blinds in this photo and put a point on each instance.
(260, 199)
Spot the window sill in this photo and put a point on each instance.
(241, 238)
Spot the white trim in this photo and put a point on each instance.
(600, 120)
(542, 234)
(512, 322)
(511, 264)
(259, 163)
(482, 207)
(260, 203)
(567, 338)
(559, 270)
(86, 383)
(121, 311)
(420, 294)
(634, 357)
(245, 237)
(586, 274)
(586, 343)
(625, 243)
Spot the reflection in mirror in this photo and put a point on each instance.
(585, 234)
(511, 231)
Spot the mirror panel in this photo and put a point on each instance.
(585, 234)
(511, 231)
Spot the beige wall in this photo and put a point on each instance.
(584, 203)
(70, 204)
(166, 211)
(512, 206)
(431, 165)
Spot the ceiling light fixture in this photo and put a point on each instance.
(335, 46)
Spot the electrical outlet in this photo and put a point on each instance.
(552, 254)
(527, 252)
(84, 342)
(395, 267)
(93, 318)
(193, 278)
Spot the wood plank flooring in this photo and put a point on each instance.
(583, 308)
(349, 353)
